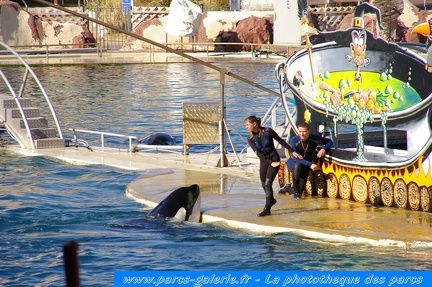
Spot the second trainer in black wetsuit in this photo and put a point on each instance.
(261, 140)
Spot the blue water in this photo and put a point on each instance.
(45, 204)
(141, 99)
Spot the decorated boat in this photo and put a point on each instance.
(374, 99)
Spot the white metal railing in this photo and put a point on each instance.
(103, 135)
(20, 94)
(51, 49)
(132, 147)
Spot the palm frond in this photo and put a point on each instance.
(302, 8)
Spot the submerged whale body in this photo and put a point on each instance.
(183, 204)
(158, 139)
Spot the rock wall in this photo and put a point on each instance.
(216, 27)
(257, 27)
(20, 28)
(410, 17)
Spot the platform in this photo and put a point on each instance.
(232, 196)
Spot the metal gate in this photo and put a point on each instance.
(127, 18)
(107, 38)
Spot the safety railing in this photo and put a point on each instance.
(102, 135)
(61, 49)
(104, 146)
(221, 48)
(20, 94)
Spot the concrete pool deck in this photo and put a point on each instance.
(232, 196)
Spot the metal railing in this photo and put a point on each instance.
(20, 94)
(208, 47)
(132, 147)
(64, 48)
(102, 135)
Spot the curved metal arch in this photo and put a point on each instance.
(20, 94)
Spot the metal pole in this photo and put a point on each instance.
(70, 255)
(222, 162)
(385, 140)
(390, 31)
(222, 142)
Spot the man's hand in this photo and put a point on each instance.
(314, 167)
(296, 155)
(321, 153)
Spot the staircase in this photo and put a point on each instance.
(31, 132)
(24, 121)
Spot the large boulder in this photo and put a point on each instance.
(152, 29)
(256, 30)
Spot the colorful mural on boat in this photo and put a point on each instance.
(375, 98)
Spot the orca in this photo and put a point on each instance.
(183, 204)
(158, 139)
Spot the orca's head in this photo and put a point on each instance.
(183, 204)
(193, 207)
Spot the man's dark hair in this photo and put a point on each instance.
(304, 125)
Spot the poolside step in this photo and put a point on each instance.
(7, 102)
(28, 112)
(43, 136)
(44, 133)
(49, 143)
(35, 123)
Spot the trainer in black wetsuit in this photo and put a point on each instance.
(305, 156)
(261, 141)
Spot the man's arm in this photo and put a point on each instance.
(328, 143)
(296, 157)
(281, 141)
